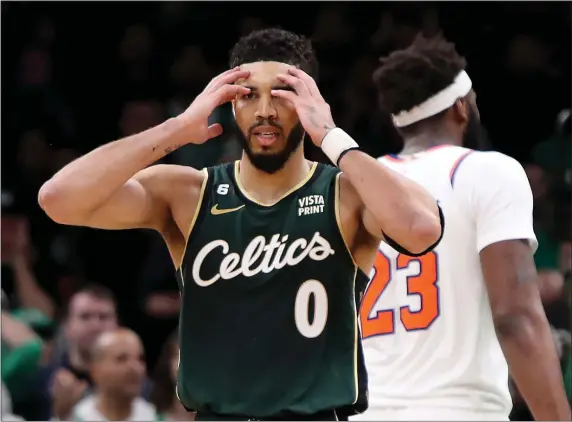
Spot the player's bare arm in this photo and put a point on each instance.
(511, 280)
(389, 205)
(522, 328)
(112, 186)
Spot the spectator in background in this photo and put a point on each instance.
(117, 367)
(21, 354)
(17, 253)
(554, 154)
(33, 401)
(6, 414)
(547, 257)
(551, 258)
(91, 312)
(164, 395)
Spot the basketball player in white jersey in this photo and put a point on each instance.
(439, 329)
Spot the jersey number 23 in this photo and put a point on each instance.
(422, 284)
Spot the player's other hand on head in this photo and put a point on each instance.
(314, 112)
(220, 90)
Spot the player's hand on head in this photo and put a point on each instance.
(220, 90)
(314, 112)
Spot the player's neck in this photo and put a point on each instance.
(269, 188)
(113, 407)
(427, 140)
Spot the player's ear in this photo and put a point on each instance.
(461, 110)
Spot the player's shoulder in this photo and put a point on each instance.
(326, 170)
(491, 165)
(440, 155)
(222, 172)
(490, 175)
(227, 167)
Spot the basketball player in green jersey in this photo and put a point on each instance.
(271, 251)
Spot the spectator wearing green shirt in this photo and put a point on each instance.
(547, 256)
(20, 353)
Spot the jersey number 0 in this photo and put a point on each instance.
(423, 284)
(302, 309)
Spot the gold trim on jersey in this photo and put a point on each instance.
(295, 188)
(193, 221)
(177, 378)
(339, 218)
(356, 269)
(356, 336)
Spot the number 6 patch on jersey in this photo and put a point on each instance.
(422, 284)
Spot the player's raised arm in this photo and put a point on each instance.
(108, 187)
(395, 208)
(501, 203)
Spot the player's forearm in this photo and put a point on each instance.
(529, 348)
(89, 181)
(405, 211)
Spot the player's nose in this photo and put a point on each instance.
(265, 109)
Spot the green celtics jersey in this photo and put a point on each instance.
(268, 320)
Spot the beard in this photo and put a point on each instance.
(270, 162)
(475, 136)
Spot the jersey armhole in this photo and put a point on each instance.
(455, 166)
(197, 216)
(338, 218)
(462, 191)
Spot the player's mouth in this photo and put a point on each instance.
(266, 135)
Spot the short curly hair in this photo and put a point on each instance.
(410, 76)
(274, 44)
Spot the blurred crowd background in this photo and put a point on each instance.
(76, 75)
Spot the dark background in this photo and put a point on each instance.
(77, 75)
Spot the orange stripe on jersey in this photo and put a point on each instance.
(456, 166)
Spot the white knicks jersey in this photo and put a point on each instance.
(427, 327)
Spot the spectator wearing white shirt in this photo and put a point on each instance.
(117, 368)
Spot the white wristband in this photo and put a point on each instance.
(336, 142)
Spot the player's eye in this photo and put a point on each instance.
(248, 96)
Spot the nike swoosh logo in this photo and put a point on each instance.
(216, 211)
